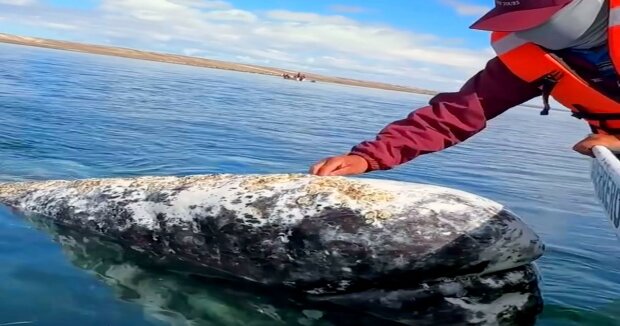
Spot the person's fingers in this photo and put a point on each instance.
(578, 148)
(352, 165)
(330, 166)
(340, 165)
(316, 167)
(346, 170)
(584, 147)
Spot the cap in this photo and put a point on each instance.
(518, 15)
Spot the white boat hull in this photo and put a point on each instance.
(606, 179)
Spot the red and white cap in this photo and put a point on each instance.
(518, 15)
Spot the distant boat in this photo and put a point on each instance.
(297, 77)
(606, 178)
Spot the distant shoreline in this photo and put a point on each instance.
(197, 62)
(203, 63)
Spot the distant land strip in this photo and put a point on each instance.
(193, 61)
(200, 62)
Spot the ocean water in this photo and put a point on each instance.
(72, 115)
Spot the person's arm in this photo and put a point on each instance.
(449, 119)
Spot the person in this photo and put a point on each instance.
(565, 49)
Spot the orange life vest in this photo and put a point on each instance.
(534, 64)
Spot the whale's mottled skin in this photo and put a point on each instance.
(378, 244)
(503, 298)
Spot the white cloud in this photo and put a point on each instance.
(304, 17)
(18, 2)
(465, 9)
(231, 15)
(191, 51)
(60, 26)
(159, 5)
(326, 44)
(204, 4)
(344, 9)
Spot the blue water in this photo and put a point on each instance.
(71, 115)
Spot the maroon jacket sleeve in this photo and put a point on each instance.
(449, 119)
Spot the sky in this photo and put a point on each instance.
(420, 43)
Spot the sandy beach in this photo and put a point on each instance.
(194, 61)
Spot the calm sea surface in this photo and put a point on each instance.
(70, 115)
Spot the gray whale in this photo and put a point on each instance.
(409, 253)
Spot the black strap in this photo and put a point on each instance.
(584, 114)
(602, 118)
(597, 116)
(611, 131)
(548, 83)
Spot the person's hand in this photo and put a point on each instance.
(585, 146)
(340, 165)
